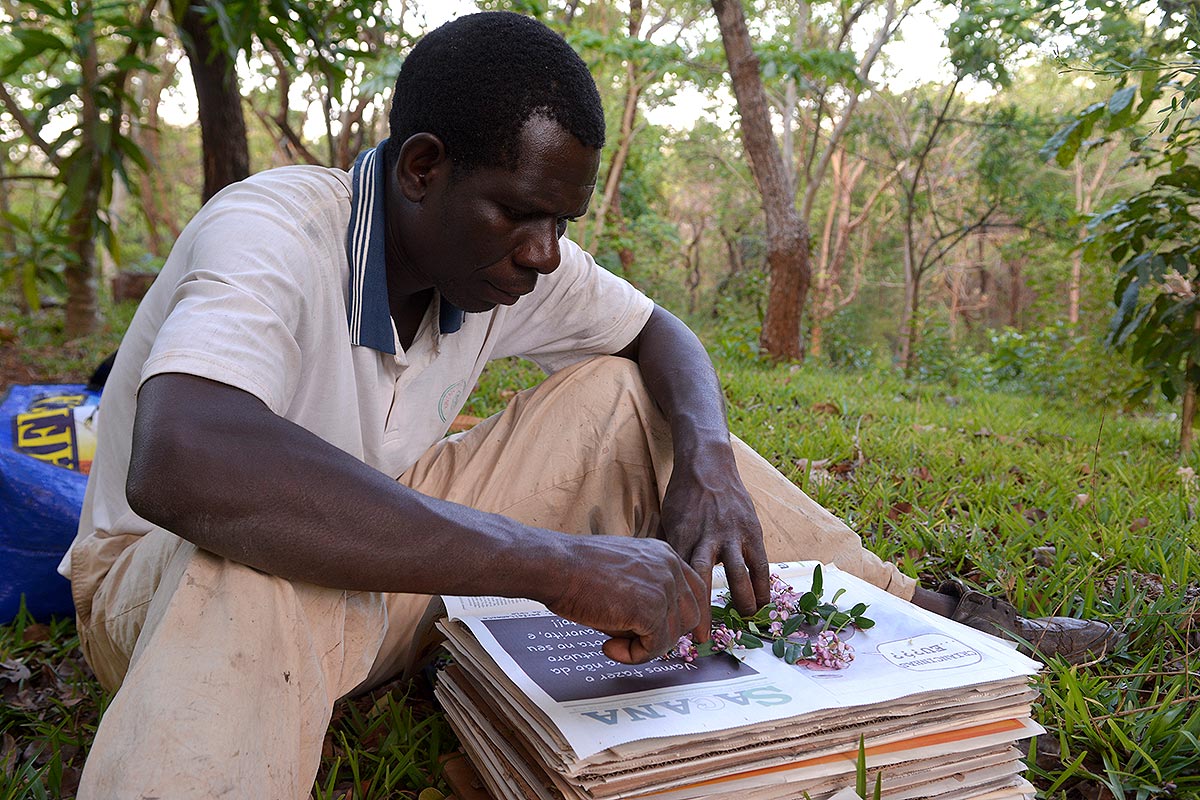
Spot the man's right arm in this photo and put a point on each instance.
(215, 466)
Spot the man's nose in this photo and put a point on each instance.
(540, 250)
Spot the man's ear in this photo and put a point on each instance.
(422, 160)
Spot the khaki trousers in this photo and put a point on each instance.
(228, 675)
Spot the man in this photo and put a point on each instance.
(272, 501)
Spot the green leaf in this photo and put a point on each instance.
(750, 641)
(129, 149)
(1186, 176)
(779, 648)
(860, 769)
(1064, 144)
(33, 44)
(1120, 108)
(29, 288)
(1117, 331)
(41, 39)
(818, 581)
(839, 620)
(1150, 89)
(792, 624)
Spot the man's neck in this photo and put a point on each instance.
(407, 313)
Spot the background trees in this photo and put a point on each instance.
(967, 422)
(1152, 234)
(817, 202)
(65, 88)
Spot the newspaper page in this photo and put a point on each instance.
(597, 703)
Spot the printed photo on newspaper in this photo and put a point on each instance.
(597, 704)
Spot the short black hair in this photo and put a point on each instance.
(475, 81)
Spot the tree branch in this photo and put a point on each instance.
(956, 237)
(814, 178)
(26, 177)
(27, 128)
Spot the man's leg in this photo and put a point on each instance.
(587, 451)
(228, 675)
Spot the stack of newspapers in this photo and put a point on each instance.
(935, 707)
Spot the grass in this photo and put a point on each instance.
(1060, 506)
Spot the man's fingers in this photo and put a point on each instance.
(619, 649)
(741, 588)
(700, 584)
(760, 578)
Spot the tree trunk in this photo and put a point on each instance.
(624, 251)
(1187, 419)
(118, 208)
(1014, 293)
(816, 337)
(80, 272)
(612, 183)
(733, 252)
(694, 268)
(1081, 207)
(222, 125)
(787, 234)
(10, 237)
(912, 292)
(155, 208)
(1086, 194)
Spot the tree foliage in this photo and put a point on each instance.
(1152, 235)
(69, 69)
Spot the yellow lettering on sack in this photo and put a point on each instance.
(48, 434)
(58, 401)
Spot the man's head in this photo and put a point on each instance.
(476, 81)
(496, 136)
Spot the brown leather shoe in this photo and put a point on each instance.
(1073, 640)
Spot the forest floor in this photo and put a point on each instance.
(1061, 507)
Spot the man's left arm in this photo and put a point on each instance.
(707, 514)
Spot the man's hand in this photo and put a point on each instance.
(638, 591)
(708, 517)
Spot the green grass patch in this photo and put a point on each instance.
(1061, 507)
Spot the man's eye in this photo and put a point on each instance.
(562, 224)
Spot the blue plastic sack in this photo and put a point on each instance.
(47, 438)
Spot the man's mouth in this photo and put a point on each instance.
(505, 296)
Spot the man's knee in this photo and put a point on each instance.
(173, 598)
(600, 386)
(602, 373)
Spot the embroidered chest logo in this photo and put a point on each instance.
(450, 400)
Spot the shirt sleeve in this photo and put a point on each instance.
(238, 302)
(579, 310)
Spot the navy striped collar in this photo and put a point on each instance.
(367, 303)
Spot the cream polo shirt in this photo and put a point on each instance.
(277, 288)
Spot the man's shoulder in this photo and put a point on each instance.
(298, 191)
(300, 184)
(304, 203)
(302, 175)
